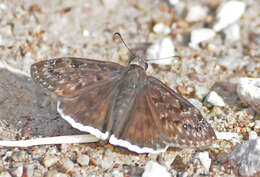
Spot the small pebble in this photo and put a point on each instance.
(29, 170)
(252, 135)
(50, 161)
(204, 159)
(178, 164)
(195, 103)
(230, 62)
(19, 156)
(110, 4)
(18, 172)
(174, 2)
(83, 160)
(161, 28)
(68, 165)
(248, 90)
(257, 124)
(214, 99)
(153, 169)
(226, 135)
(161, 50)
(196, 12)
(232, 33)
(54, 173)
(117, 173)
(227, 13)
(200, 35)
(5, 174)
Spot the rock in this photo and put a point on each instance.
(232, 33)
(227, 13)
(200, 35)
(174, 2)
(110, 4)
(226, 135)
(214, 99)
(83, 160)
(18, 172)
(195, 103)
(204, 159)
(49, 161)
(248, 90)
(161, 50)
(54, 173)
(246, 157)
(29, 169)
(257, 124)
(231, 62)
(153, 169)
(196, 12)
(161, 28)
(117, 173)
(252, 135)
(20, 156)
(68, 165)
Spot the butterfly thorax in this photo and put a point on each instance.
(136, 60)
(126, 92)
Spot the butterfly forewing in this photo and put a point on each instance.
(178, 122)
(68, 77)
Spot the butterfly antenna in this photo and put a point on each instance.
(120, 37)
(166, 58)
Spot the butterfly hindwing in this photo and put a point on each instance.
(89, 111)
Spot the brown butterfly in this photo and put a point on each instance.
(122, 104)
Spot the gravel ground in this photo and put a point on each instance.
(210, 65)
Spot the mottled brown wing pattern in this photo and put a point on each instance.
(141, 129)
(88, 112)
(178, 122)
(68, 77)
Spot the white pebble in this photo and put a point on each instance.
(161, 50)
(153, 169)
(196, 12)
(83, 160)
(174, 2)
(49, 161)
(110, 4)
(232, 33)
(252, 135)
(248, 90)
(257, 124)
(68, 165)
(226, 135)
(204, 159)
(161, 28)
(195, 103)
(18, 172)
(200, 35)
(228, 13)
(214, 99)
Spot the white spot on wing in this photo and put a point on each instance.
(123, 143)
(80, 126)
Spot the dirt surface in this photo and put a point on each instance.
(34, 30)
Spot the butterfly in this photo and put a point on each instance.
(122, 104)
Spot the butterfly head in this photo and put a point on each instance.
(137, 60)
